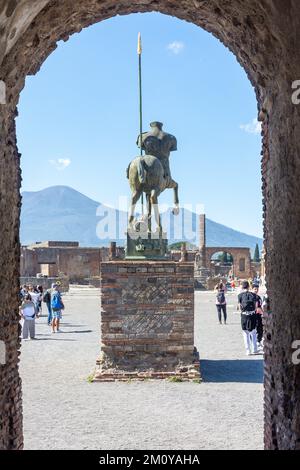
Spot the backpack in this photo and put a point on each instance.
(221, 297)
(56, 303)
(247, 302)
(47, 297)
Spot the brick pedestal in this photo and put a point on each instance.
(147, 321)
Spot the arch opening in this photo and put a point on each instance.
(248, 30)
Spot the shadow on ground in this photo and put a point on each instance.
(242, 371)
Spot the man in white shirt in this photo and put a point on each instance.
(28, 312)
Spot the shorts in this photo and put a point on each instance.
(56, 314)
(248, 322)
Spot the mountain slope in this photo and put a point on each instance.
(62, 213)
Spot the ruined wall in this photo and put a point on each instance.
(238, 254)
(280, 182)
(28, 262)
(77, 263)
(264, 36)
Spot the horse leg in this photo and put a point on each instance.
(149, 210)
(173, 185)
(154, 202)
(134, 199)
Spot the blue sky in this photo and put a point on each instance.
(78, 117)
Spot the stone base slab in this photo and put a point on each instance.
(183, 374)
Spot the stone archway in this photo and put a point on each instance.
(238, 255)
(264, 35)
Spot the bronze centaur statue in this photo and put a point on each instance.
(150, 174)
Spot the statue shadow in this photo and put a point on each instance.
(238, 370)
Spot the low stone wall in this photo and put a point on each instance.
(147, 322)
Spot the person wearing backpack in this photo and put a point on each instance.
(47, 300)
(56, 306)
(221, 302)
(248, 305)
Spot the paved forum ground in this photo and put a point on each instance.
(62, 410)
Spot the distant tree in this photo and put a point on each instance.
(225, 258)
(176, 246)
(256, 257)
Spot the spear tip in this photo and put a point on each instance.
(139, 49)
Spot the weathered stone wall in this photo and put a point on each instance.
(176, 256)
(238, 254)
(265, 36)
(282, 321)
(147, 319)
(77, 263)
(105, 253)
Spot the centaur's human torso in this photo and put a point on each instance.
(159, 144)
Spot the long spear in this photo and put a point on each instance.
(139, 51)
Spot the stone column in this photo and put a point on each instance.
(184, 253)
(112, 251)
(202, 240)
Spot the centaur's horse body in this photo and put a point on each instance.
(151, 174)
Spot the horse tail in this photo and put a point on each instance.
(142, 173)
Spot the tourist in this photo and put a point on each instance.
(40, 290)
(23, 292)
(28, 312)
(56, 306)
(259, 315)
(221, 302)
(47, 300)
(247, 306)
(35, 295)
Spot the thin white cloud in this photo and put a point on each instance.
(175, 47)
(253, 127)
(60, 163)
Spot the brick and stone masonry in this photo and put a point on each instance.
(147, 321)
